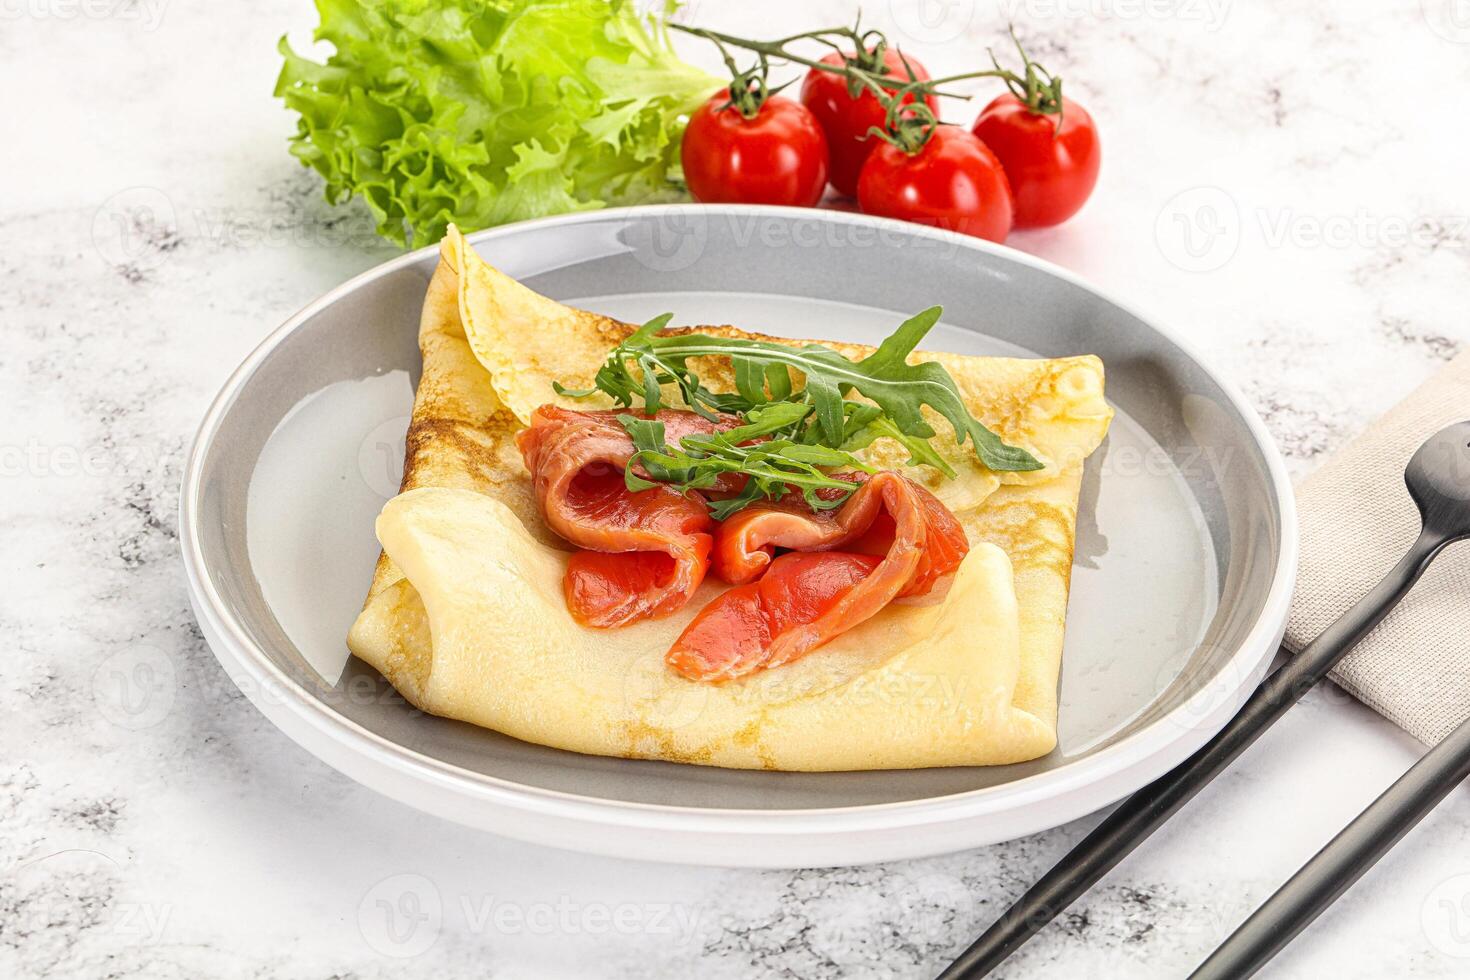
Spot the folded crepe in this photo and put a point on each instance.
(466, 616)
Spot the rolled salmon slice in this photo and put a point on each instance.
(903, 542)
(644, 553)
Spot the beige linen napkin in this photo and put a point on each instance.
(1356, 521)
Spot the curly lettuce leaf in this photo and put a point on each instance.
(482, 112)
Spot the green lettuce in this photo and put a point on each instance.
(482, 112)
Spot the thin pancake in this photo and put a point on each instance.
(971, 681)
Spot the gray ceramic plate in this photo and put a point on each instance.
(1185, 548)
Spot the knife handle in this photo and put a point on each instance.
(1343, 861)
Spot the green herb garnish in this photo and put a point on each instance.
(803, 432)
(775, 465)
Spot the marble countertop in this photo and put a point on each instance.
(1284, 183)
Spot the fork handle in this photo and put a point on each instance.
(1343, 861)
(1146, 810)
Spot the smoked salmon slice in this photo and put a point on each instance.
(892, 538)
(645, 552)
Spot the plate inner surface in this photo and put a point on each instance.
(1145, 585)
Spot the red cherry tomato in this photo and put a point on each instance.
(1051, 170)
(953, 182)
(777, 157)
(846, 120)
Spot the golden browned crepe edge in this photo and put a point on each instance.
(457, 438)
(1036, 527)
(461, 436)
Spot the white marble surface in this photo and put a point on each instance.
(1316, 154)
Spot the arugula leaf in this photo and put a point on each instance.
(920, 451)
(930, 384)
(769, 418)
(898, 389)
(648, 440)
(772, 466)
(721, 510)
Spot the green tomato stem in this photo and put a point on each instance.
(907, 124)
